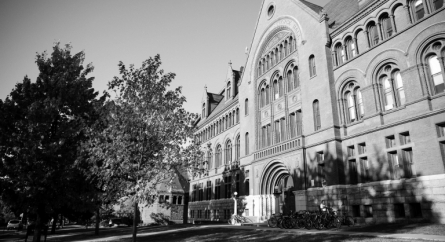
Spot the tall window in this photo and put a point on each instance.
(237, 148)
(289, 80)
(419, 9)
(373, 34)
(280, 86)
(353, 103)
(203, 110)
(436, 74)
(218, 189)
(237, 115)
(228, 154)
(340, 54)
(316, 109)
(246, 107)
(210, 160)
(276, 90)
(392, 84)
(277, 132)
(386, 24)
(228, 186)
(262, 97)
(296, 79)
(437, 4)
(312, 68)
(267, 95)
(247, 144)
(229, 93)
(218, 156)
(350, 48)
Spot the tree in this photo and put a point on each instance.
(148, 136)
(42, 126)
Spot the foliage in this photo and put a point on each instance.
(148, 136)
(42, 126)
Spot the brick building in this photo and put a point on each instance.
(343, 103)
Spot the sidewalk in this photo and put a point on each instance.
(263, 226)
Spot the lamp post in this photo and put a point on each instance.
(234, 207)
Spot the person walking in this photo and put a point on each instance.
(323, 206)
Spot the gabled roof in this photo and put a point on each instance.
(339, 11)
(312, 6)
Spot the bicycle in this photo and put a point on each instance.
(237, 219)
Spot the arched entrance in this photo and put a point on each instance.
(277, 186)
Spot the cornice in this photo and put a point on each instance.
(365, 12)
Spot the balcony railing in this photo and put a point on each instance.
(294, 143)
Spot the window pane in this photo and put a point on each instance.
(437, 4)
(434, 65)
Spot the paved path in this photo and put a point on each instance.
(427, 237)
(143, 233)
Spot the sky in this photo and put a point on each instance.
(196, 39)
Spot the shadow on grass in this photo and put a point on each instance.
(419, 227)
(222, 234)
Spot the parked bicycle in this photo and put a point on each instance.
(237, 219)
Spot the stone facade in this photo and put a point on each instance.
(343, 103)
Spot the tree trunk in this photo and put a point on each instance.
(37, 229)
(135, 227)
(96, 230)
(53, 226)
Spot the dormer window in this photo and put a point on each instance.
(203, 110)
(228, 91)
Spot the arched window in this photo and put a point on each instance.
(228, 93)
(263, 97)
(203, 110)
(284, 49)
(419, 9)
(373, 34)
(296, 78)
(316, 110)
(281, 52)
(290, 84)
(218, 156)
(237, 115)
(436, 74)
(267, 95)
(228, 154)
(353, 103)
(291, 44)
(237, 148)
(340, 54)
(210, 160)
(246, 148)
(276, 90)
(350, 48)
(386, 24)
(259, 69)
(401, 18)
(437, 4)
(362, 43)
(312, 69)
(230, 120)
(280, 86)
(392, 84)
(246, 107)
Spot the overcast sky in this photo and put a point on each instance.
(196, 38)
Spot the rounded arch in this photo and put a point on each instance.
(390, 55)
(422, 40)
(272, 173)
(393, 6)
